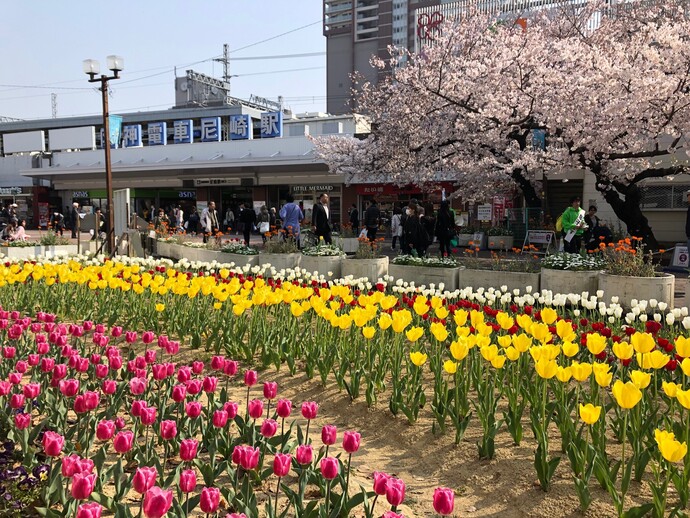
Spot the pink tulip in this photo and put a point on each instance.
(310, 409)
(22, 421)
(109, 387)
(116, 332)
(157, 502)
(70, 465)
(102, 371)
(130, 337)
(351, 441)
(220, 418)
(218, 363)
(284, 408)
(304, 454)
(270, 390)
(237, 453)
(115, 363)
(184, 374)
(137, 386)
(329, 434)
(88, 325)
(15, 378)
(147, 337)
(210, 498)
(250, 458)
(188, 449)
(230, 367)
(100, 328)
(168, 430)
(105, 430)
(210, 384)
(179, 393)
(231, 409)
(163, 341)
(330, 467)
(395, 491)
(148, 416)
(194, 387)
(444, 500)
(392, 514)
(89, 510)
(68, 388)
(281, 464)
(160, 371)
(21, 366)
(380, 481)
(250, 378)
(119, 423)
(47, 364)
(17, 401)
(5, 388)
(137, 406)
(172, 347)
(34, 359)
(269, 428)
(188, 481)
(53, 443)
(197, 367)
(82, 486)
(256, 408)
(150, 356)
(144, 479)
(193, 409)
(31, 390)
(123, 441)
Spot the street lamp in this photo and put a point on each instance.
(92, 68)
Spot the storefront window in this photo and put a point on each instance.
(308, 195)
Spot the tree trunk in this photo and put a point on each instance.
(532, 199)
(629, 211)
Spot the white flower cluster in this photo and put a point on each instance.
(575, 262)
(431, 262)
(324, 250)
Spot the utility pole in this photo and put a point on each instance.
(53, 101)
(226, 70)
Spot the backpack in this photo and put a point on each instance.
(559, 223)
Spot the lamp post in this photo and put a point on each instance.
(92, 68)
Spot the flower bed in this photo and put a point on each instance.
(564, 272)
(426, 271)
(324, 259)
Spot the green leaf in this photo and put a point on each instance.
(638, 512)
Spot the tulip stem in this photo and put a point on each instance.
(373, 505)
(277, 491)
(306, 437)
(247, 403)
(347, 479)
(328, 496)
(186, 504)
(625, 426)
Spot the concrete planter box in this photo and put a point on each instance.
(240, 260)
(627, 288)
(323, 265)
(56, 250)
(464, 239)
(500, 242)
(350, 245)
(208, 256)
(165, 249)
(21, 252)
(372, 269)
(568, 281)
(495, 279)
(422, 275)
(280, 261)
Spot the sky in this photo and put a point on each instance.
(45, 42)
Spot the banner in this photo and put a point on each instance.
(115, 122)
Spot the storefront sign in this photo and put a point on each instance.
(484, 212)
(84, 195)
(183, 131)
(271, 124)
(158, 133)
(131, 136)
(10, 191)
(210, 129)
(240, 127)
(189, 195)
(208, 182)
(312, 188)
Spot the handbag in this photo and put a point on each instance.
(264, 227)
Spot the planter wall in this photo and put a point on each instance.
(240, 260)
(20, 252)
(567, 281)
(372, 269)
(494, 279)
(280, 261)
(464, 239)
(500, 242)
(56, 250)
(626, 288)
(323, 265)
(350, 245)
(422, 275)
(165, 249)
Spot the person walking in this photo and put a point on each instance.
(590, 235)
(396, 226)
(372, 217)
(413, 232)
(574, 226)
(75, 219)
(445, 228)
(209, 221)
(264, 221)
(353, 215)
(291, 216)
(248, 220)
(192, 225)
(229, 220)
(57, 222)
(321, 219)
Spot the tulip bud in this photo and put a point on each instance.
(444, 500)
(168, 430)
(330, 468)
(210, 383)
(188, 481)
(210, 498)
(270, 390)
(256, 408)
(188, 449)
(269, 428)
(304, 454)
(193, 409)
(329, 434)
(230, 367)
(281, 464)
(123, 442)
(250, 378)
(310, 409)
(284, 408)
(144, 479)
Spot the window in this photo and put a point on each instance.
(667, 197)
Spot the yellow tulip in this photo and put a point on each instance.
(589, 413)
(237, 310)
(504, 320)
(414, 334)
(462, 331)
(640, 379)
(441, 312)
(596, 343)
(683, 397)
(683, 346)
(670, 388)
(459, 349)
(483, 329)
(672, 450)
(418, 358)
(627, 395)
(658, 359)
(570, 349)
(524, 321)
(460, 317)
(685, 366)
(439, 331)
(296, 309)
(662, 435)
(623, 350)
(505, 341)
(546, 368)
(522, 342)
(564, 330)
(563, 374)
(498, 362)
(642, 342)
(489, 352)
(548, 316)
(603, 379)
(536, 352)
(385, 321)
(368, 332)
(420, 306)
(476, 318)
(217, 305)
(401, 319)
(581, 371)
(512, 353)
(450, 366)
(160, 307)
(436, 302)
(481, 341)
(541, 332)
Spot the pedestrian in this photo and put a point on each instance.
(321, 219)
(100, 230)
(75, 219)
(229, 220)
(396, 226)
(273, 218)
(240, 225)
(161, 223)
(291, 215)
(590, 235)
(426, 238)
(573, 220)
(372, 217)
(429, 221)
(19, 233)
(179, 219)
(57, 222)
(445, 228)
(193, 222)
(248, 220)
(353, 216)
(413, 232)
(264, 221)
(209, 221)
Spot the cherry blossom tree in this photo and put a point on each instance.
(609, 88)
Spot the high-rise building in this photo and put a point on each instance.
(355, 31)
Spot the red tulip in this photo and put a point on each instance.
(330, 467)
(168, 429)
(188, 481)
(395, 491)
(250, 378)
(123, 441)
(144, 479)
(188, 449)
(210, 498)
(53, 443)
(256, 408)
(351, 441)
(105, 430)
(269, 428)
(157, 502)
(270, 390)
(304, 454)
(329, 434)
(89, 510)
(310, 409)
(82, 485)
(281, 464)
(284, 408)
(444, 500)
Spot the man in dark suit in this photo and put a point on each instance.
(321, 219)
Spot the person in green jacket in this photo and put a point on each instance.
(574, 226)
